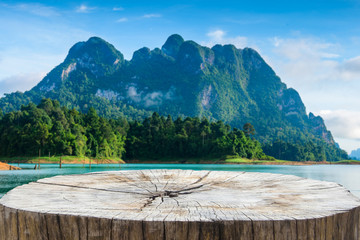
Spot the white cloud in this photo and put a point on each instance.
(117, 9)
(152, 15)
(20, 82)
(216, 35)
(31, 46)
(85, 9)
(352, 64)
(324, 80)
(35, 9)
(152, 98)
(348, 144)
(305, 60)
(349, 69)
(344, 125)
(219, 37)
(22, 72)
(303, 48)
(133, 94)
(124, 19)
(30, 49)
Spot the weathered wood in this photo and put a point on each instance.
(53, 226)
(177, 204)
(2, 222)
(284, 229)
(11, 223)
(28, 225)
(320, 228)
(43, 227)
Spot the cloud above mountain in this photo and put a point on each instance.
(307, 60)
(325, 80)
(343, 123)
(219, 36)
(20, 82)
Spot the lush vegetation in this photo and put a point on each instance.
(160, 137)
(310, 151)
(182, 79)
(50, 128)
(65, 159)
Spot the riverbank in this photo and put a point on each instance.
(63, 160)
(234, 160)
(230, 160)
(5, 166)
(285, 162)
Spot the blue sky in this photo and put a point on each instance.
(313, 45)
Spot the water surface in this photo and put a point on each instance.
(346, 175)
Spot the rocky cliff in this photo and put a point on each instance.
(182, 78)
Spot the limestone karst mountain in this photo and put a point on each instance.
(182, 78)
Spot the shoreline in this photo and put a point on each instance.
(250, 162)
(7, 167)
(4, 163)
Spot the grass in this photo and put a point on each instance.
(56, 159)
(255, 161)
(347, 162)
(226, 159)
(175, 160)
(223, 160)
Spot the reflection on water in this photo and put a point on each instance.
(346, 175)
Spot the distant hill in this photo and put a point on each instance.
(182, 78)
(355, 154)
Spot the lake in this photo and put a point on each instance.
(346, 175)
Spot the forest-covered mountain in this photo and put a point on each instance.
(182, 78)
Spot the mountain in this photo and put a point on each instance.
(355, 154)
(182, 78)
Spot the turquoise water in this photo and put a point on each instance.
(346, 175)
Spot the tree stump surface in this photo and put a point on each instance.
(179, 204)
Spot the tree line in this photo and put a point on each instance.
(161, 137)
(316, 151)
(49, 128)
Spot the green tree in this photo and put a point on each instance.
(249, 129)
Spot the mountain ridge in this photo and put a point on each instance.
(182, 78)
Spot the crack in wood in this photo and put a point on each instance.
(67, 199)
(177, 202)
(89, 188)
(132, 185)
(201, 178)
(147, 178)
(214, 183)
(168, 193)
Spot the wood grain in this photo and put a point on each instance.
(179, 204)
